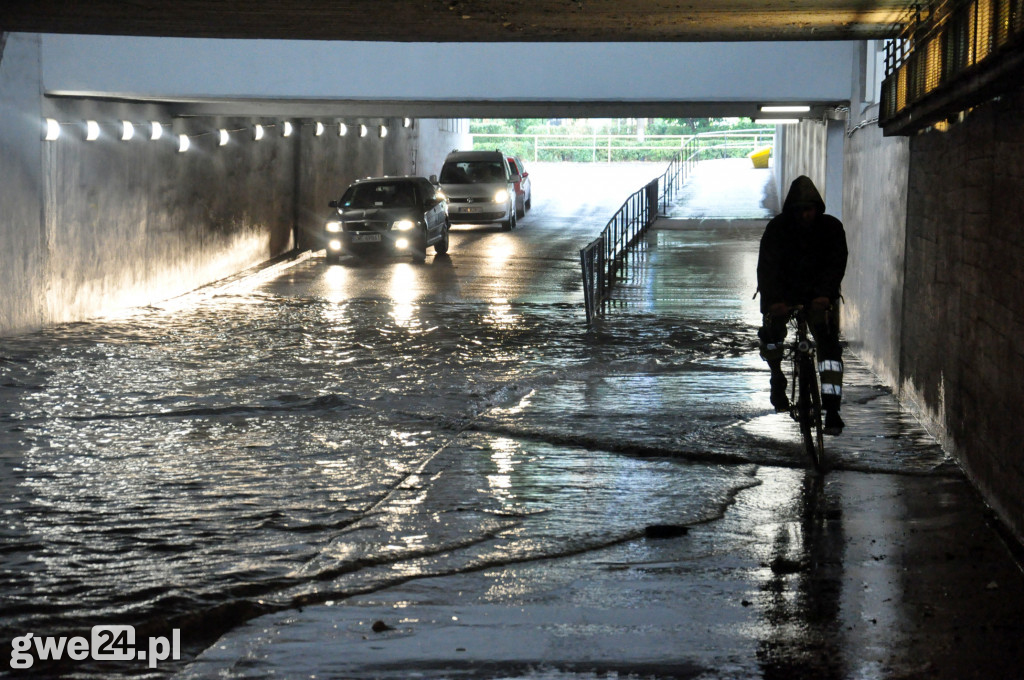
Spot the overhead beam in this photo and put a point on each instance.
(465, 20)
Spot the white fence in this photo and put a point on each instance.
(608, 147)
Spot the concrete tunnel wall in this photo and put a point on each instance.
(92, 226)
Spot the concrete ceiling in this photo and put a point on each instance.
(465, 20)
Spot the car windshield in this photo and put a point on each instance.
(380, 195)
(472, 172)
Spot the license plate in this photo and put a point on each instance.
(365, 238)
(472, 210)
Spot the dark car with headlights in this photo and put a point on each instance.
(396, 215)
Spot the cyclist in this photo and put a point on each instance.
(802, 261)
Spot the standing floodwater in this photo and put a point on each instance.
(315, 431)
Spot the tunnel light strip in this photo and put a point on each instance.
(127, 130)
(776, 121)
(788, 108)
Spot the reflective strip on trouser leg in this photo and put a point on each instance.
(772, 336)
(831, 372)
(772, 352)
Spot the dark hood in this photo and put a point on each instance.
(802, 193)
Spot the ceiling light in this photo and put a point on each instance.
(342, 129)
(156, 130)
(287, 132)
(789, 108)
(407, 122)
(224, 137)
(383, 131)
(92, 130)
(52, 130)
(776, 121)
(362, 130)
(183, 143)
(127, 130)
(257, 133)
(319, 128)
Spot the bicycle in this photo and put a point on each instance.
(806, 388)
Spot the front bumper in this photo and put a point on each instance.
(398, 242)
(476, 213)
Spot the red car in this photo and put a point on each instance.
(521, 178)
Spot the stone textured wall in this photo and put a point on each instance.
(963, 306)
(875, 216)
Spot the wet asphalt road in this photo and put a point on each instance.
(386, 469)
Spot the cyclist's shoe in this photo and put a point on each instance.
(779, 398)
(833, 423)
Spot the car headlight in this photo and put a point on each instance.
(403, 225)
(334, 244)
(501, 196)
(333, 227)
(401, 243)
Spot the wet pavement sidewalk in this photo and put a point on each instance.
(886, 566)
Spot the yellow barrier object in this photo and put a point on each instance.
(760, 157)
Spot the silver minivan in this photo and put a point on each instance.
(479, 188)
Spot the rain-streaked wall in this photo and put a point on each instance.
(875, 217)
(22, 239)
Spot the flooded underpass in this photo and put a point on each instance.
(381, 469)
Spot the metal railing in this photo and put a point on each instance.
(605, 259)
(959, 38)
(675, 175)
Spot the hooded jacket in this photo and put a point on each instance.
(796, 263)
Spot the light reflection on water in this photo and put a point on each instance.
(252, 449)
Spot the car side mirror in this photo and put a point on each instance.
(516, 178)
(433, 179)
(332, 204)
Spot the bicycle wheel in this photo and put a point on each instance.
(817, 426)
(809, 410)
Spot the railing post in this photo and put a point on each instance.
(652, 202)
